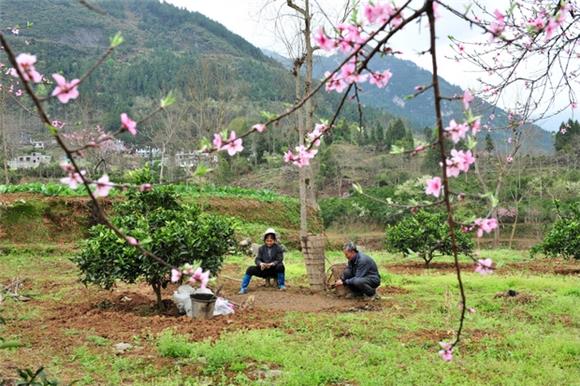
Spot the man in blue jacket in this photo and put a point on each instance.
(361, 275)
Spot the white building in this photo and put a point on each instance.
(37, 145)
(194, 158)
(147, 152)
(29, 161)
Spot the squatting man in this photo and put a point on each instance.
(361, 275)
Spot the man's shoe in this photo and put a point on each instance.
(367, 298)
(243, 291)
(349, 295)
(282, 288)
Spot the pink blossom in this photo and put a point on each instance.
(301, 158)
(475, 127)
(467, 99)
(456, 131)
(145, 188)
(288, 156)
(460, 162)
(199, 276)
(471, 310)
(58, 124)
(498, 25)
(128, 124)
(349, 74)
(314, 135)
(103, 186)
(335, 83)
(484, 225)
(25, 63)
(551, 27)
(378, 13)
(64, 90)
(461, 48)
(217, 141)
(380, 79)
(259, 127)
(351, 34)
(447, 351)
(132, 241)
(436, 13)
(18, 93)
(15, 31)
(484, 266)
(509, 159)
(304, 156)
(204, 279)
(324, 41)
(537, 24)
(434, 186)
(509, 140)
(563, 130)
(74, 179)
(234, 144)
(573, 105)
(175, 275)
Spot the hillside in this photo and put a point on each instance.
(165, 48)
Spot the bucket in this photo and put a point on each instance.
(202, 306)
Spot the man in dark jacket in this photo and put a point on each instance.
(361, 275)
(269, 262)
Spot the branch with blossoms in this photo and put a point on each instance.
(547, 32)
(23, 67)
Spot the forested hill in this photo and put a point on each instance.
(165, 48)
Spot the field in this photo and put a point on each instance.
(294, 337)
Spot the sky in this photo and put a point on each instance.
(254, 20)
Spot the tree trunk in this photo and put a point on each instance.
(157, 290)
(4, 144)
(312, 245)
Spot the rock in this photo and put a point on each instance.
(120, 348)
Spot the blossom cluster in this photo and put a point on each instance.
(303, 153)
(195, 275)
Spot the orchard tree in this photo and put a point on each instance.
(177, 233)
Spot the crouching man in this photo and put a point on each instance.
(361, 276)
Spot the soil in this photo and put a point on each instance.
(551, 266)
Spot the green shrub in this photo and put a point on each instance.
(425, 234)
(564, 237)
(176, 233)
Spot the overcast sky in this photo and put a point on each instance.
(254, 20)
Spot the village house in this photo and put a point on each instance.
(29, 161)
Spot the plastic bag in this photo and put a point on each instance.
(223, 307)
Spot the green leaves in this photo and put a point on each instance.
(174, 232)
(168, 100)
(116, 40)
(425, 233)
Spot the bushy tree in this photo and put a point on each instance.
(564, 237)
(425, 234)
(175, 232)
(568, 137)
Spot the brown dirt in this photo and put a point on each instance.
(552, 266)
(419, 268)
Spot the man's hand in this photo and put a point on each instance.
(338, 282)
(263, 266)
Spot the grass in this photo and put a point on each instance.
(507, 341)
